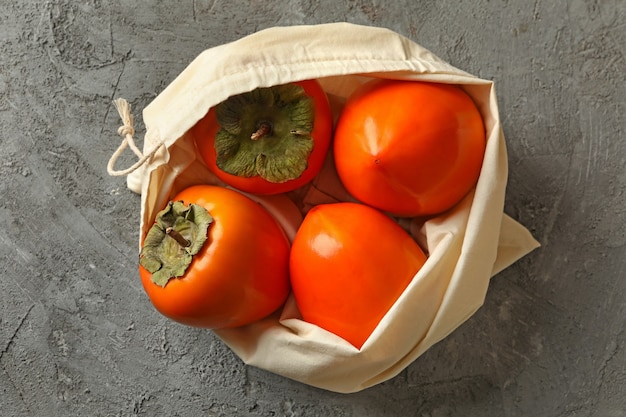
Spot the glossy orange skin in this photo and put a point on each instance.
(409, 148)
(349, 263)
(205, 130)
(241, 273)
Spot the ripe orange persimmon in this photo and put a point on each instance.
(267, 141)
(215, 259)
(409, 148)
(349, 263)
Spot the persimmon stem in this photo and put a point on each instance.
(264, 129)
(177, 237)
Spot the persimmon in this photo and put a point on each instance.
(267, 141)
(349, 263)
(214, 258)
(409, 148)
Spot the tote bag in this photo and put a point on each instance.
(466, 246)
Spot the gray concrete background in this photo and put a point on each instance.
(79, 338)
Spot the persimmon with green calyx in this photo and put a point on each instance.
(214, 258)
(409, 148)
(349, 264)
(269, 140)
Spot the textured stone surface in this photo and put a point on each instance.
(77, 335)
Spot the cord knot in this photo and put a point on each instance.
(126, 130)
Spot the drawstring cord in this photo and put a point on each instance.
(127, 131)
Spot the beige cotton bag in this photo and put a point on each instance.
(466, 246)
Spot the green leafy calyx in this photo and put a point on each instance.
(266, 133)
(178, 233)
